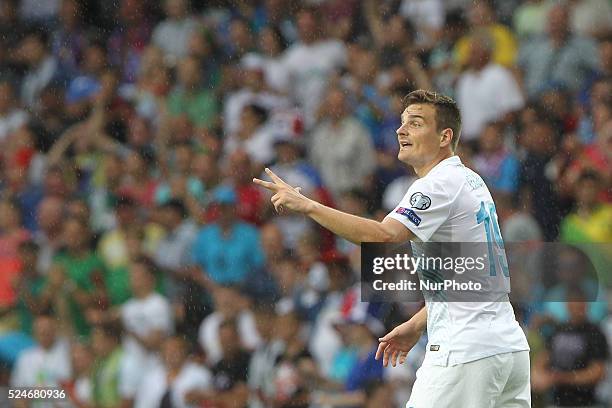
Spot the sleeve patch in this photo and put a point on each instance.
(420, 201)
(408, 213)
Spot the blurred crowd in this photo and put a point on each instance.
(139, 265)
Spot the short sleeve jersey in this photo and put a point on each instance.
(451, 203)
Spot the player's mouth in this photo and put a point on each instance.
(405, 144)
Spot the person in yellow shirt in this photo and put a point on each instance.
(589, 226)
(591, 221)
(482, 16)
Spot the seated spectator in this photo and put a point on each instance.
(312, 53)
(530, 18)
(594, 158)
(229, 373)
(574, 269)
(341, 148)
(253, 135)
(495, 164)
(112, 376)
(575, 357)
(114, 250)
(139, 182)
(227, 250)
(591, 18)
(173, 250)
(294, 367)
(182, 184)
(171, 383)
(263, 361)
(42, 67)
(173, 33)
(11, 116)
(481, 16)
(539, 141)
(361, 334)
(84, 271)
(79, 387)
(190, 98)
(229, 303)
(486, 91)
(251, 201)
(591, 219)
(48, 363)
(560, 56)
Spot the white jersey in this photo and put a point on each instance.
(452, 204)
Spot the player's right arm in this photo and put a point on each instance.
(358, 229)
(351, 227)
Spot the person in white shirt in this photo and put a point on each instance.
(311, 62)
(48, 363)
(229, 304)
(172, 35)
(11, 117)
(477, 354)
(487, 91)
(171, 383)
(147, 318)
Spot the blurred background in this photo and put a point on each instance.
(139, 266)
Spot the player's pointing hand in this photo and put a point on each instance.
(285, 196)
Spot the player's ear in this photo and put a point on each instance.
(446, 137)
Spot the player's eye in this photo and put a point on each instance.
(414, 123)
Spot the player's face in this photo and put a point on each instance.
(417, 136)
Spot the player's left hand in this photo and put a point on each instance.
(285, 196)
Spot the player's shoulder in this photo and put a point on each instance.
(449, 176)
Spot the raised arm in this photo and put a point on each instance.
(351, 227)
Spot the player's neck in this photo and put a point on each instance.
(421, 171)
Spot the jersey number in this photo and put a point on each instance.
(495, 244)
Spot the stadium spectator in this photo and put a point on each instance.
(590, 18)
(172, 35)
(482, 18)
(171, 383)
(48, 363)
(78, 388)
(42, 66)
(230, 305)
(190, 97)
(112, 377)
(341, 148)
(496, 165)
(313, 53)
(227, 250)
(574, 360)
(486, 91)
(529, 18)
(591, 219)
(229, 375)
(11, 116)
(264, 359)
(84, 271)
(558, 57)
(253, 135)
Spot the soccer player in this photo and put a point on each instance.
(477, 355)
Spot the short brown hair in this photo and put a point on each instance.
(447, 112)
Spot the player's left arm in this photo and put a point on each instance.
(351, 227)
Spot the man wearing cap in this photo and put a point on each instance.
(227, 250)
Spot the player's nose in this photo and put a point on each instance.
(401, 131)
